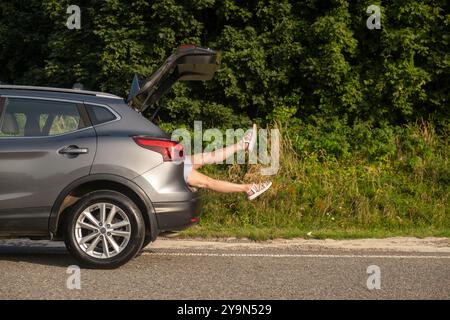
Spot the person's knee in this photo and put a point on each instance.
(200, 181)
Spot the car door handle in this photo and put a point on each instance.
(73, 150)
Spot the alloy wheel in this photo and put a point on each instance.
(103, 230)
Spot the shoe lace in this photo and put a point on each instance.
(259, 186)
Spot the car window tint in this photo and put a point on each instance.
(12, 124)
(99, 114)
(64, 123)
(37, 118)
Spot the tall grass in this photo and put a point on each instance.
(373, 182)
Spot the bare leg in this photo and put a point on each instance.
(199, 180)
(217, 156)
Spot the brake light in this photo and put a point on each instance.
(170, 150)
(194, 220)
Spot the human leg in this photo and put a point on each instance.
(220, 155)
(199, 180)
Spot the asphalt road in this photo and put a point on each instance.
(184, 270)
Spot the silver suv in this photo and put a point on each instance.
(87, 168)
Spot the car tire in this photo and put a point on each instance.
(104, 229)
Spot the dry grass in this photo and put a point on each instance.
(316, 194)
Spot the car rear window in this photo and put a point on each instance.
(100, 114)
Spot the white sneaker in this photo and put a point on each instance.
(250, 138)
(258, 189)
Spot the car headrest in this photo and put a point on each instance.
(10, 125)
(32, 128)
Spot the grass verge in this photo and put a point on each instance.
(399, 187)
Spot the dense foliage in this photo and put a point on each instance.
(314, 60)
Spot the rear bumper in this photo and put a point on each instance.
(177, 215)
(173, 202)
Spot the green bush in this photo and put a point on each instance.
(317, 57)
(398, 190)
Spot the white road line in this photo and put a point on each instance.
(193, 254)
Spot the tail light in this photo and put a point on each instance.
(194, 220)
(170, 150)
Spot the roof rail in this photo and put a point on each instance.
(61, 90)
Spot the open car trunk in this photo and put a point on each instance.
(188, 63)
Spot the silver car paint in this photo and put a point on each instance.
(32, 173)
(117, 152)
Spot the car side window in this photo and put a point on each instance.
(99, 115)
(37, 118)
